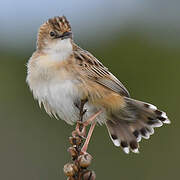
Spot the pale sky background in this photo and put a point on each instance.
(94, 19)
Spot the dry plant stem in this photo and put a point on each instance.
(82, 111)
(81, 160)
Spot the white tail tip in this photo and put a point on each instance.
(126, 150)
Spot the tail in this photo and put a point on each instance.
(136, 120)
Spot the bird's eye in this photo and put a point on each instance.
(52, 34)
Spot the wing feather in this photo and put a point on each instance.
(96, 71)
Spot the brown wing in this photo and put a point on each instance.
(96, 71)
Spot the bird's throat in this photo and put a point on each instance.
(60, 50)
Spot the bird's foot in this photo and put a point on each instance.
(80, 130)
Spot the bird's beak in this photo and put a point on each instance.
(65, 35)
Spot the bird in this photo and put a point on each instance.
(62, 75)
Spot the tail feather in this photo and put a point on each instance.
(135, 121)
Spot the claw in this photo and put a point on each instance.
(80, 130)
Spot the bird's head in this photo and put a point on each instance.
(55, 34)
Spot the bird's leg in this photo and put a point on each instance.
(81, 126)
(85, 146)
(93, 124)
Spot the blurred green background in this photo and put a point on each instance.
(138, 41)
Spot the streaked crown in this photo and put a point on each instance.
(59, 24)
(52, 30)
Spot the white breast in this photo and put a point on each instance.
(61, 97)
(51, 88)
(58, 97)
